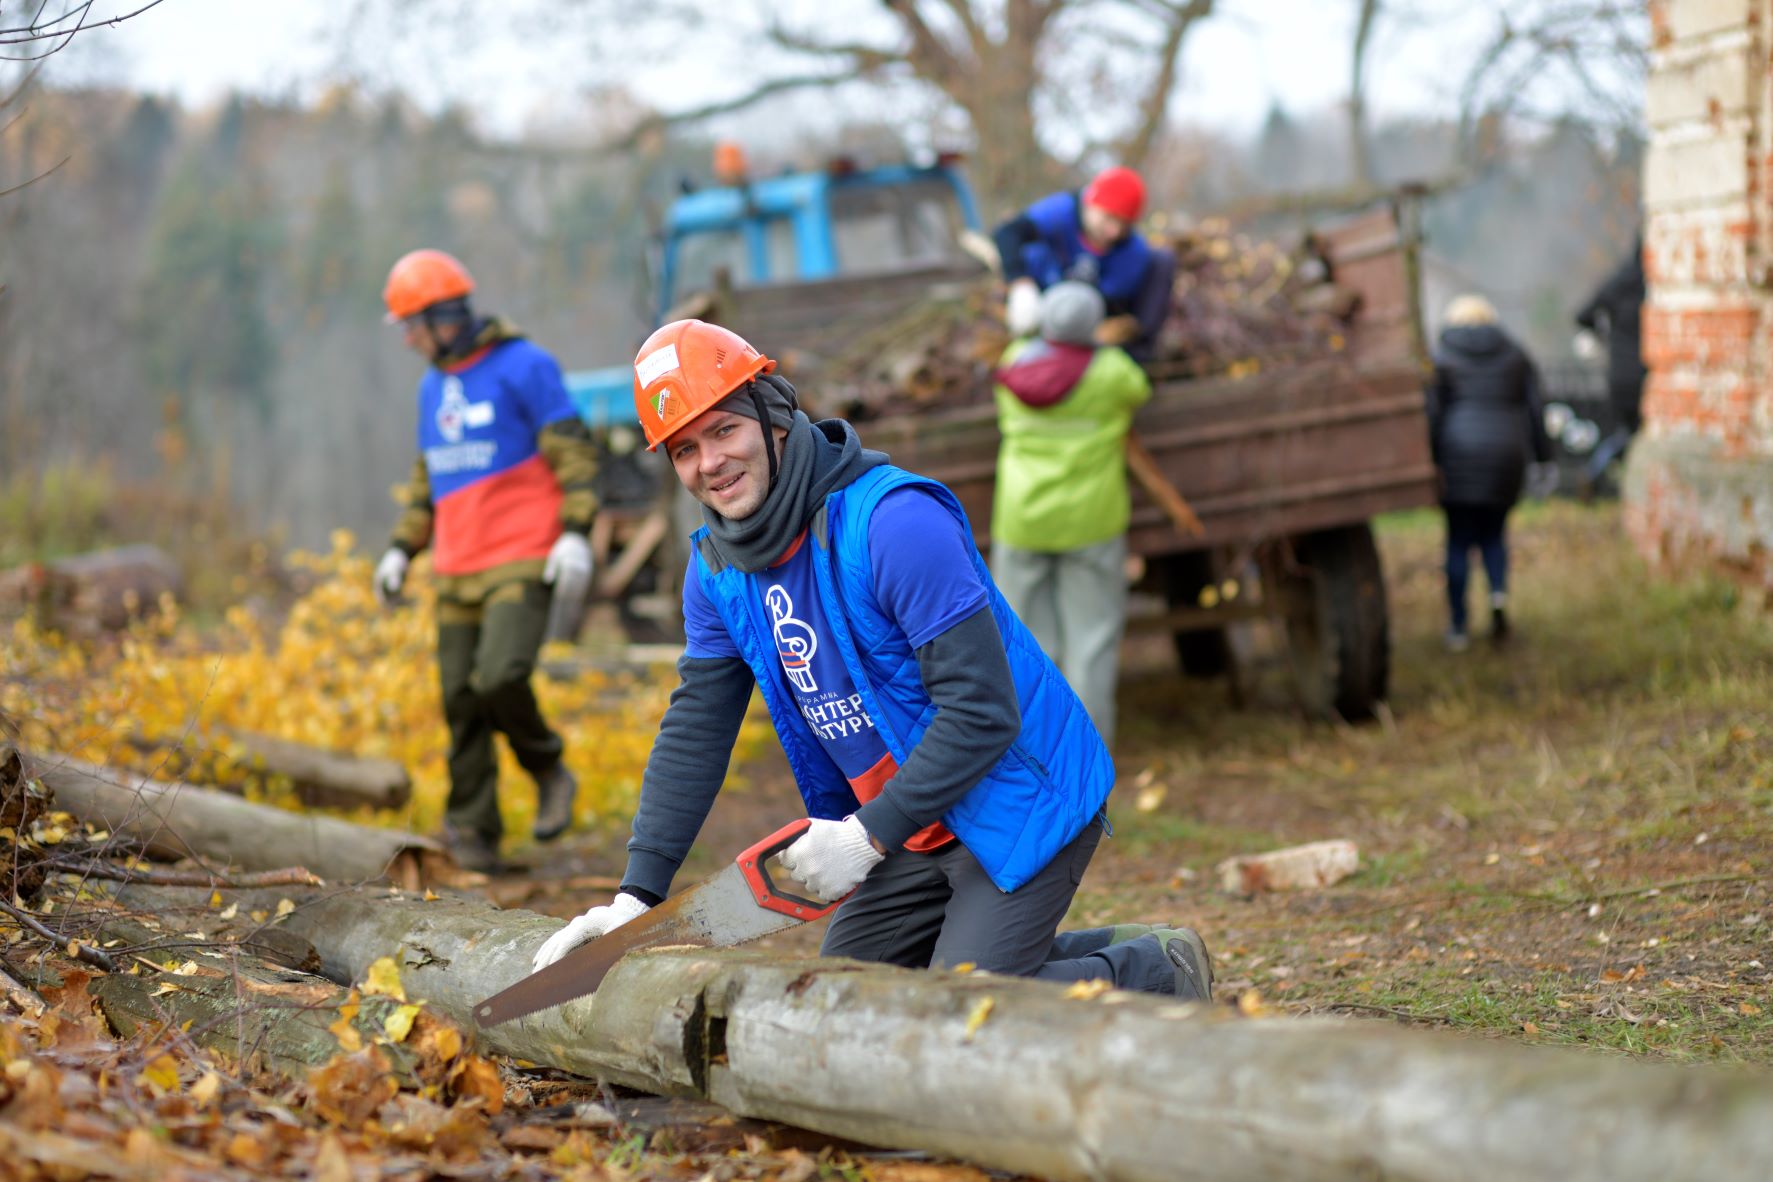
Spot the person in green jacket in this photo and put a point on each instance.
(1059, 518)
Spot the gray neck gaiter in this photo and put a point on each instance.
(816, 460)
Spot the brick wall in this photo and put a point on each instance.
(1699, 483)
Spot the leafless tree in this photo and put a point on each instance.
(1582, 60)
(999, 64)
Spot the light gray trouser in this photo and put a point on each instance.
(1075, 603)
(940, 909)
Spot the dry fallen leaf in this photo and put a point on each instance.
(285, 907)
(1085, 990)
(383, 980)
(474, 1076)
(203, 1092)
(398, 1024)
(1251, 1005)
(162, 1074)
(980, 1012)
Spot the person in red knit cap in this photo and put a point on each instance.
(1089, 236)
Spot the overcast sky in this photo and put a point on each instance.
(1235, 66)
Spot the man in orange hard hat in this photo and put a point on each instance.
(955, 784)
(1089, 236)
(501, 493)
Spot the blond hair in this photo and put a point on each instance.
(1470, 309)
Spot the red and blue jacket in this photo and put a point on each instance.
(487, 494)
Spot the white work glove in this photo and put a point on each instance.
(1587, 346)
(390, 575)
(568, 569)
(831, 858)
(599, 921)
(1021, 312)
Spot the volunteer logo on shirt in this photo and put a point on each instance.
(455, 413)
(796, 642)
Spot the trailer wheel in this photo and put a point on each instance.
(1202, 653)
(1338, 630)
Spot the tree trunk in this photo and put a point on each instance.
(1016, 1075)
(175, 820)
(323, 778)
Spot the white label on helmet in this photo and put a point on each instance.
(655, 364)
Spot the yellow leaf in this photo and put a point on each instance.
(204, 1090)
(349, 1039)
(1250, 1005)
(1086, 990)
(1748, 1008)
(1529, 1028)
(284, 907)
(215, 899)
(399, 1024)
(965, 966)
(1149, 799)
(259, 916)
(162, 1074)
(981, 1011)
(230, 911)
(169, 987)
(431, 895)
(446, 1042)
(384, 980)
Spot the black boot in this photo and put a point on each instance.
(474, 851)
(556, 790)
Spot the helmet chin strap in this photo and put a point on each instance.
(769, 430)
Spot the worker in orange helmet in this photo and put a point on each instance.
(501, 493)
(955, 783)
(1089, 236)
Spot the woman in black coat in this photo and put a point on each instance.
(1486, 424)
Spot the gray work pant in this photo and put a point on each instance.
(940, 909)
(1075, 603)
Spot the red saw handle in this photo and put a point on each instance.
(754, 864)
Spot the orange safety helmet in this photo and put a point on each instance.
(684, 370)
(421, 278)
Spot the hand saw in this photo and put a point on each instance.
(739, 903)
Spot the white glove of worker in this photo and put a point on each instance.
(830, 858)
(390, 575)
(1021, 312)
(599, 921)
(1587, 346)
(568, 569)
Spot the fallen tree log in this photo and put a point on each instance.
(329, 779)
(1021, 1076)
(94, 592)
(177, 820)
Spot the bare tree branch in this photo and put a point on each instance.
(774, 86)
(59, 37)
(1152, 107)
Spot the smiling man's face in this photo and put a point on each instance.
(719, 457)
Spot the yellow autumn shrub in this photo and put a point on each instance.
(337, 672)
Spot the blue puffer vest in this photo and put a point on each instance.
(1049, 785)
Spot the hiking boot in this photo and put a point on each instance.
(556, 789)
(1456, 640)
(474, 851)
(1194, 968)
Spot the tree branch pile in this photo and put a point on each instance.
(1236, 305)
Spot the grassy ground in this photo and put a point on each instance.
(1568, 839)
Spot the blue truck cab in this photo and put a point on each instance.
(800, 227)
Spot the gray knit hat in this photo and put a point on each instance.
(1070, 312)
(779, 400)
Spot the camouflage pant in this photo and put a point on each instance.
(486, 651)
